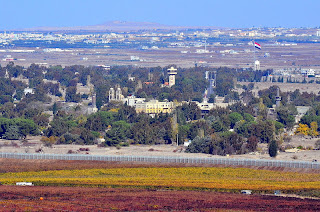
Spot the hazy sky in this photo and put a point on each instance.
(224, 13)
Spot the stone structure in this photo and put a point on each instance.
(172, 76)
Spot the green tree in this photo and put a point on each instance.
(41, 120)
(233, 143)
(100, 121)
(54, 108)
(313, 129)
(87, 137)
(201, 145)
(101, 91)
(241, 127)
(13, 133)
(61, 124)
(142, 131)
(285, 118)
(252, 143)
(127, 113)
(218, 126)
(4, 125)
(190, 111)
(26, 126)
(234, 118)
(118, 134)
(8, 110)
(264, 130)
(5, 98)
(224, 81)
(183, 133)
(278, 126)
(248, 117)
(69, 138)
(71, 94)
(273, 149)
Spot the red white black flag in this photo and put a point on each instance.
(257, 45)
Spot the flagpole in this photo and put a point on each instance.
(254, 53)
(254, 50)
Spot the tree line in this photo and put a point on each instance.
(236, 129)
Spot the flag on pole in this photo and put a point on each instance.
(257, 45)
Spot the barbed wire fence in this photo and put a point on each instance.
(165, 159)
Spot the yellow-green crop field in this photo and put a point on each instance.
(174, 178)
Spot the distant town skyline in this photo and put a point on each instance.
(17, 14)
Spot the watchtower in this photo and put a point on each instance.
(172, 76)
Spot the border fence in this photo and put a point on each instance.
(166, 159)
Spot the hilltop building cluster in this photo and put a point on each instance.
(153, 107)
(217, 46)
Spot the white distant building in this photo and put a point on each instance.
(187, 143)
(257, 65)
(134, 58)
(318, 33)
(202, 51)
(28, 90)
(205, 107)
(308, 72)
(132, 100)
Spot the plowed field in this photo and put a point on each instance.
(133, 196)
(36, 198)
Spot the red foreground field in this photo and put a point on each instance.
(38, 198)
(14, 198)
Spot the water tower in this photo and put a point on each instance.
(172, 76)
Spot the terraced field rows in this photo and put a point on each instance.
(185, 178)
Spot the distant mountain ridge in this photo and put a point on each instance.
(117, 26)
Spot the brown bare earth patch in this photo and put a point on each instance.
(14, 198)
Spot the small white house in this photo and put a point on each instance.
(28, 90)
(187, 143)
(24, 184)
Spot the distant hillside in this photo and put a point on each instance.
(117, 26)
